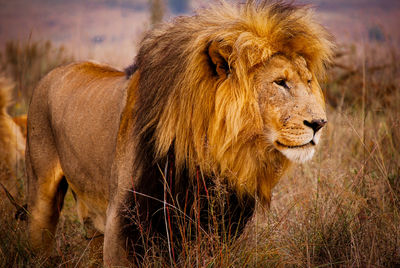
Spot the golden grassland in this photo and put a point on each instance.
(340, 209)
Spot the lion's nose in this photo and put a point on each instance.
(315, 124)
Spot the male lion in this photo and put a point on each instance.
(226, 97)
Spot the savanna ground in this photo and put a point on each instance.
(340, 209)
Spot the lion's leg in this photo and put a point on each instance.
(114, 250)
(123, 236)
(47, 187)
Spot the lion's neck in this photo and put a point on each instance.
(193, 198)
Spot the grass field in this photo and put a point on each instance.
(340, 209)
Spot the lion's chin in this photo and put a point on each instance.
(300, 154)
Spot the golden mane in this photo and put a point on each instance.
(211, 123)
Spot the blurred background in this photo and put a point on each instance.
(340, 209)
(109, 30)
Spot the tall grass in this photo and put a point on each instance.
(340, 209)
(26, 63)
(343, 207)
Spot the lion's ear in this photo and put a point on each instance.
(219, 59)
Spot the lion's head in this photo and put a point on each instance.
(291, 105)
(238, 91)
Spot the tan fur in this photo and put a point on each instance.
(12, 142)
(21, 121)
(206, 89)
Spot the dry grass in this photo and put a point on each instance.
(341, 209)
(26, 64)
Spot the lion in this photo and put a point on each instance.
(12, 141)
(227, 98)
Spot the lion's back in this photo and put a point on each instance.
(76, 109)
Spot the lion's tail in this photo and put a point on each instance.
(5, 93)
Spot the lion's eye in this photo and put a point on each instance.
(309, 82)
(282, 83)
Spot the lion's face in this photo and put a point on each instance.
(292, 106)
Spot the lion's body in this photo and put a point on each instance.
(97, 94)
(228, 97)
(12, 142)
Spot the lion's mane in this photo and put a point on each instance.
(211, 123)
(186, 134)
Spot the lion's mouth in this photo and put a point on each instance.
(310, 143)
